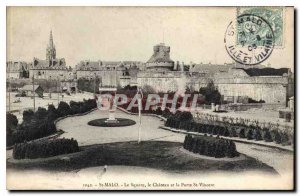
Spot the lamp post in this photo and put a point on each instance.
(57, 90)
(94, 85)
(9, 87)
(33, 92)
(139, 92)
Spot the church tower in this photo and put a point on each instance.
(50, 51)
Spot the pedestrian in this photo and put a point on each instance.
(105, 168)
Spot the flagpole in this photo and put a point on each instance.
(33, 93)
(9, 87)
(140, 113)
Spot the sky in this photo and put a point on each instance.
(195, 34)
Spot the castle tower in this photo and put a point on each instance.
(50, 51)
(160, 60)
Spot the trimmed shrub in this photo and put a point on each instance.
(184, 116)
(215, 130)
(11, 124)
(267, 136)
(41, 123)
(221, 130)
(184, 120)
(242, 133)
(11, 120)
(63, 109)
(166, 113)
(27, 115)
(43, 149)
(226, 132)
(209, 129)
(276, 137)
(285, 138)
(232, 132)
(231, 149)
(249, 134)
(210, 146)
(257, 135)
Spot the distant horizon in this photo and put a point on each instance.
(126, 34)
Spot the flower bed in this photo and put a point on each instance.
(120, 122)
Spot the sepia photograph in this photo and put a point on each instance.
(150, 98)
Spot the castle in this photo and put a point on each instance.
(162, 74)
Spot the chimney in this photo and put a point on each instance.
(175, 66)
(182, 67)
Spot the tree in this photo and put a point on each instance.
(75, 107)
(191, 143)
(27, 115)
(221, 130)
(63, 109)
(232, 132)
(267, 136)
(211, 94)
(276, 137)
(158, 111)
(226, 132)
(11, 124)
(284, 138)
(195, 146)
(249, 134)
(147, 89)
(185, 142)
(231, 150)
(41, 113)
(257, 135)
(11, 121)
(51, 117)
(219, 150)
(242, 133)
(184, 116)
(51, 109)
(215, 130)
(166, 113)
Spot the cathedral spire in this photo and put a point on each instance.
(51, 39)
(50, 51)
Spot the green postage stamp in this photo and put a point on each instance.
(274, 16)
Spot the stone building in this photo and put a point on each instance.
(238, 83)
(51, 67)
(31, 90)
(233, 80)
(163, 81)
(109, 73)
(69, 85)
(17, 69)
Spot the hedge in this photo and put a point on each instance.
(230, 130)
(45, 148)
(210, 146)
(41, 123)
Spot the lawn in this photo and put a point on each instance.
(151, 154)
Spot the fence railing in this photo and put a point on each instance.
(216, 119)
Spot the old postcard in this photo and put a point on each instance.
(150, 98)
